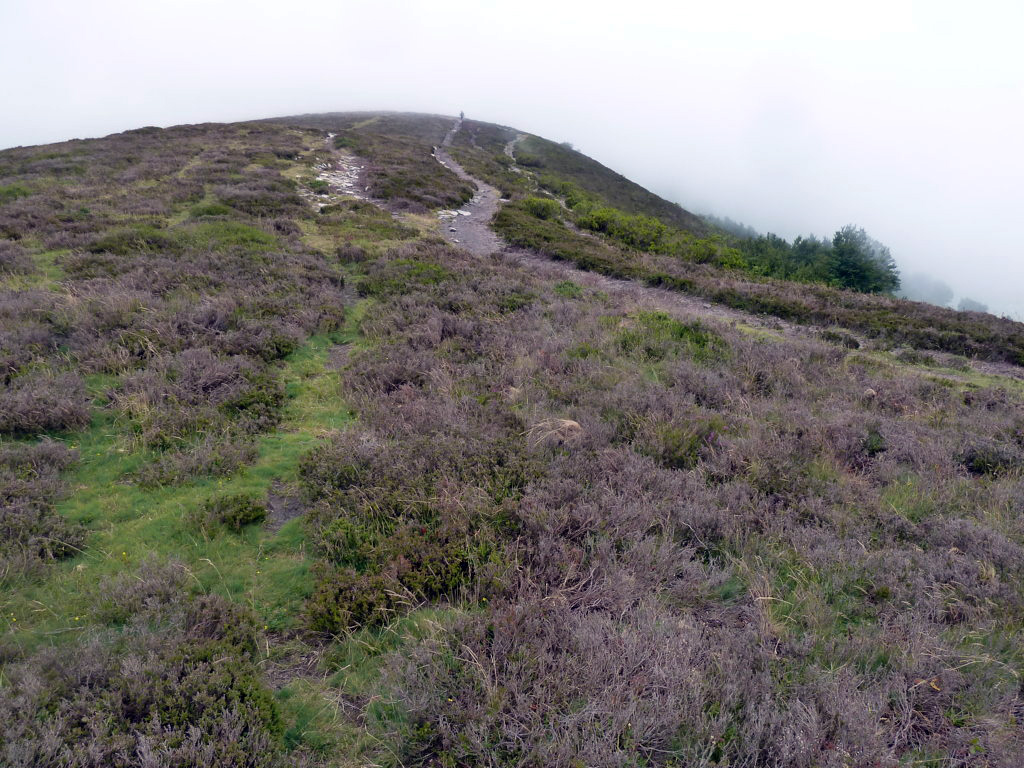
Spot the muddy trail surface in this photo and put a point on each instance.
(469, 226)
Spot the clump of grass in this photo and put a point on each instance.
(568, 289)
(655, 335)
(233, 512)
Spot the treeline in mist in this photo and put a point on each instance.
(851, 259)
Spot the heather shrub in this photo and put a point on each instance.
(914, 357)
(178, 686)
(351, 254)
(989, 458)
(14, 260)
(680, 443)
(35, 532)
(265, 340)
(153, 590)
(345, 600)
(32, 470)
(211, 456)
(198, 392)
(43, 401)
(706, 697)
(841, 338)
(266, 197)
(140, 237)
(401, 522)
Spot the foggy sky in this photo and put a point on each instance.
(793, 117)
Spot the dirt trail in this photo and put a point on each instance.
(510, 151)
(469, 226)
(474, 233)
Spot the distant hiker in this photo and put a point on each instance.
(462, 115)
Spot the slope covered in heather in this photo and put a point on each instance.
(288, 478)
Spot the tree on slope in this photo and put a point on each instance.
(862, 263)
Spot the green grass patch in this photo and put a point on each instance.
(222, 235)
(12, 192)
(653, 336)
(269, 571)
(208, 209)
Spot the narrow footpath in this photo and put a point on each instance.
(469, 226)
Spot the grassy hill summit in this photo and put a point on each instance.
(389, 439)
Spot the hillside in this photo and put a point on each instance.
(298, 469)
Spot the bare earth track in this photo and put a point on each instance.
(469, 225)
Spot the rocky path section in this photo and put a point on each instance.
(345, 177)
(469, 226)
